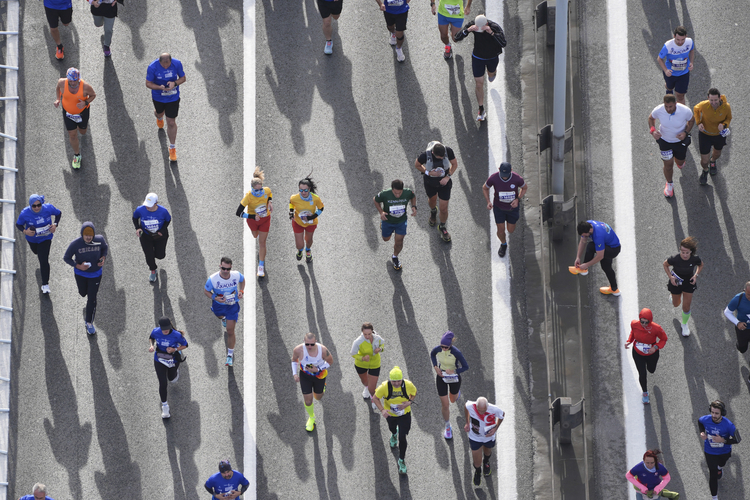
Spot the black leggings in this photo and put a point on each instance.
(644, 363)
(609, 254)
(41, 250)
(714, 462)
(165, 375)
(743, 338)
(154, 248)
(89, 287)
(404, 426)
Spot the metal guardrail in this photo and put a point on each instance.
(7, 229)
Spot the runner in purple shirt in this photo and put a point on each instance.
(509, 189)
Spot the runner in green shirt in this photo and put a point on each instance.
(450, 12)
(391, 205)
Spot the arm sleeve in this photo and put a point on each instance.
(210, 490)
(734, 438)
(137, 222)
(630, 477)
(730, 316)
(19, 226)
(240, 209)
(58, 216)
(701, 427)
(433, 355)
(166, 223)
(460, 358)
(244, 487)
(315, 215)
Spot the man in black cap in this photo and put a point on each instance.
(509, 189)
(227, 484)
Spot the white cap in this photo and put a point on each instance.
(150, 200)
(480, 21)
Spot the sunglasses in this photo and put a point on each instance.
(36, 205)
(225, 268)
(304, 190)
(310, 345)
(445, 346)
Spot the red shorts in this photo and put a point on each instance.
(262, 225)
(299, 229)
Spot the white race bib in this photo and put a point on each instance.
(397, 210)
(713, 443)
(506, 196)
(229, 299)
(643, 347)
(303, 216)
(667, 155)
(165, 359)
(679, 64)
(169, 92)
(396, 411)
(261, 210)
(395, 3)
(42, 231)
(450, 378)
(453, 10)
(439, 170)
(75, 118)
(152, 225)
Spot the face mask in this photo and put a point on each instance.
(258, 192)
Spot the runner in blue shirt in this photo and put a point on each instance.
(38, 492)
(650, 477)
(601, 244)
(225, 289)
(151, 221)
(164, 77)
(676, 61)
(164, 342)
(56, 11)
(226, 484)
(718, 434)
(740, 304)
(396, 13)
(35, 222)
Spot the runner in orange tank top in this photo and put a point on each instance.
(76, 96)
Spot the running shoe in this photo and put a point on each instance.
(721, 471)
(107, 52)
(176, 377)
(501, 251)
(481, 115)
(578, 270)
(712, 168)
(261, 270)
(491, 78)
(608, 291)
(685, 330)
(448, 52)
(704, 178)
(396, 263)
(160, 122)
(224, 322)
(401, 466)
(329, 48)
(444, 233)
(230, 361)
(668, 190)
(165, 411)
(433, 216)
(477, 476)
(45, 288)
(392, 39)
(645, 398)
(90, 328)
(308, 256)
(59, 54)
(448, 432)
(299, 254)
(487, 468)
(400, 57)
(394, 439)
(366, 393)
(310, 425)
(172, 154)
(76, 162)
(152, 276)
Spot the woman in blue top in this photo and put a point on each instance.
(35, 222)
(650, 477)
(151, 221)
(448, 363)
(164, 342)
(87, 255)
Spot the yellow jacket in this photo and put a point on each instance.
(710, 118)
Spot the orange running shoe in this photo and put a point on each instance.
(59, 54)
(608, 291)
(160, 122)
(172, 154)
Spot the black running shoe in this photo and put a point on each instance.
(501, 251)
(308, 256)
(487, 468)
(433, 216)
(477, 476)
(704, 178)
(299, 255)
(444, 233)
(712, 168)
(396, 263)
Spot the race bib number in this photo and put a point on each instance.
(677, 278)
(450, 378)
(667, 155)
(679, 64)
(506, 196)
(396, 411)
(397, 210)
(42, 231)
(151, 225)
(439, 170)
(395, 3)
(453, 10)
(229, 298)
(168, 92)
(643, 347)
(75, 118)
(303, 215)
(713, 443)
(261, 210)
(165, 359)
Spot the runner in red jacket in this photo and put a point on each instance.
(649, 339)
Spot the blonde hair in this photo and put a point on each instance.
(258, 176)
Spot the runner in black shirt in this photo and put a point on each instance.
(683, 278)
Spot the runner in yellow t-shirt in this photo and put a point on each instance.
(256, 207)
(304, 209)
(450, 12)
(712, 117)
(397, 394)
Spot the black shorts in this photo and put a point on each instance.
(509, 216)
(443, 388)
(329, 8)
(706, 142)
(478, 65)
(476, 445)
(432, 187)
(310, 384)
(53, 15)
(678, 149)
(398, 19)
(677, 83)
(375, 372)
(686, 287)
(171, 109)
(72, 125)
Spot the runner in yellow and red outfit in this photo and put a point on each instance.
(304, 209)
(256, 207)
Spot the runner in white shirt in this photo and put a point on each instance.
(482, 422)
(673, 136)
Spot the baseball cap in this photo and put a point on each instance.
(150, 200)
(480, 21)
(73, 74)
(505, 170)
(165, 323)
(225, 466)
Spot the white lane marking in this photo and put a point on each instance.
(502, 317)
(248, 317)
(622, 178)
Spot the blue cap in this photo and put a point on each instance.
(73, 74)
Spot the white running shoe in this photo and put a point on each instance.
(392, 39)
(45, 288)
(400, 57)
(165, 411)
(261, 271)
(685, 330)
(668, 190)
(329, 48)
(366, 393)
